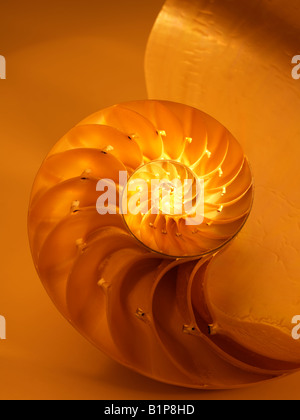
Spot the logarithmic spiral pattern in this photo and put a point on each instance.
(137, 286)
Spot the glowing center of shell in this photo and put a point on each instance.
(158, 198)
(169, 198)
(161, 188)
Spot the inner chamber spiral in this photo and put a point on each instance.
(134, 283)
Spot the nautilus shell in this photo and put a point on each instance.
(149, 288)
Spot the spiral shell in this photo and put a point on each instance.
(138, 285)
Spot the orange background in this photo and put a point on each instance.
(66, 60)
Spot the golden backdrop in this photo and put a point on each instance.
(65, 60)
